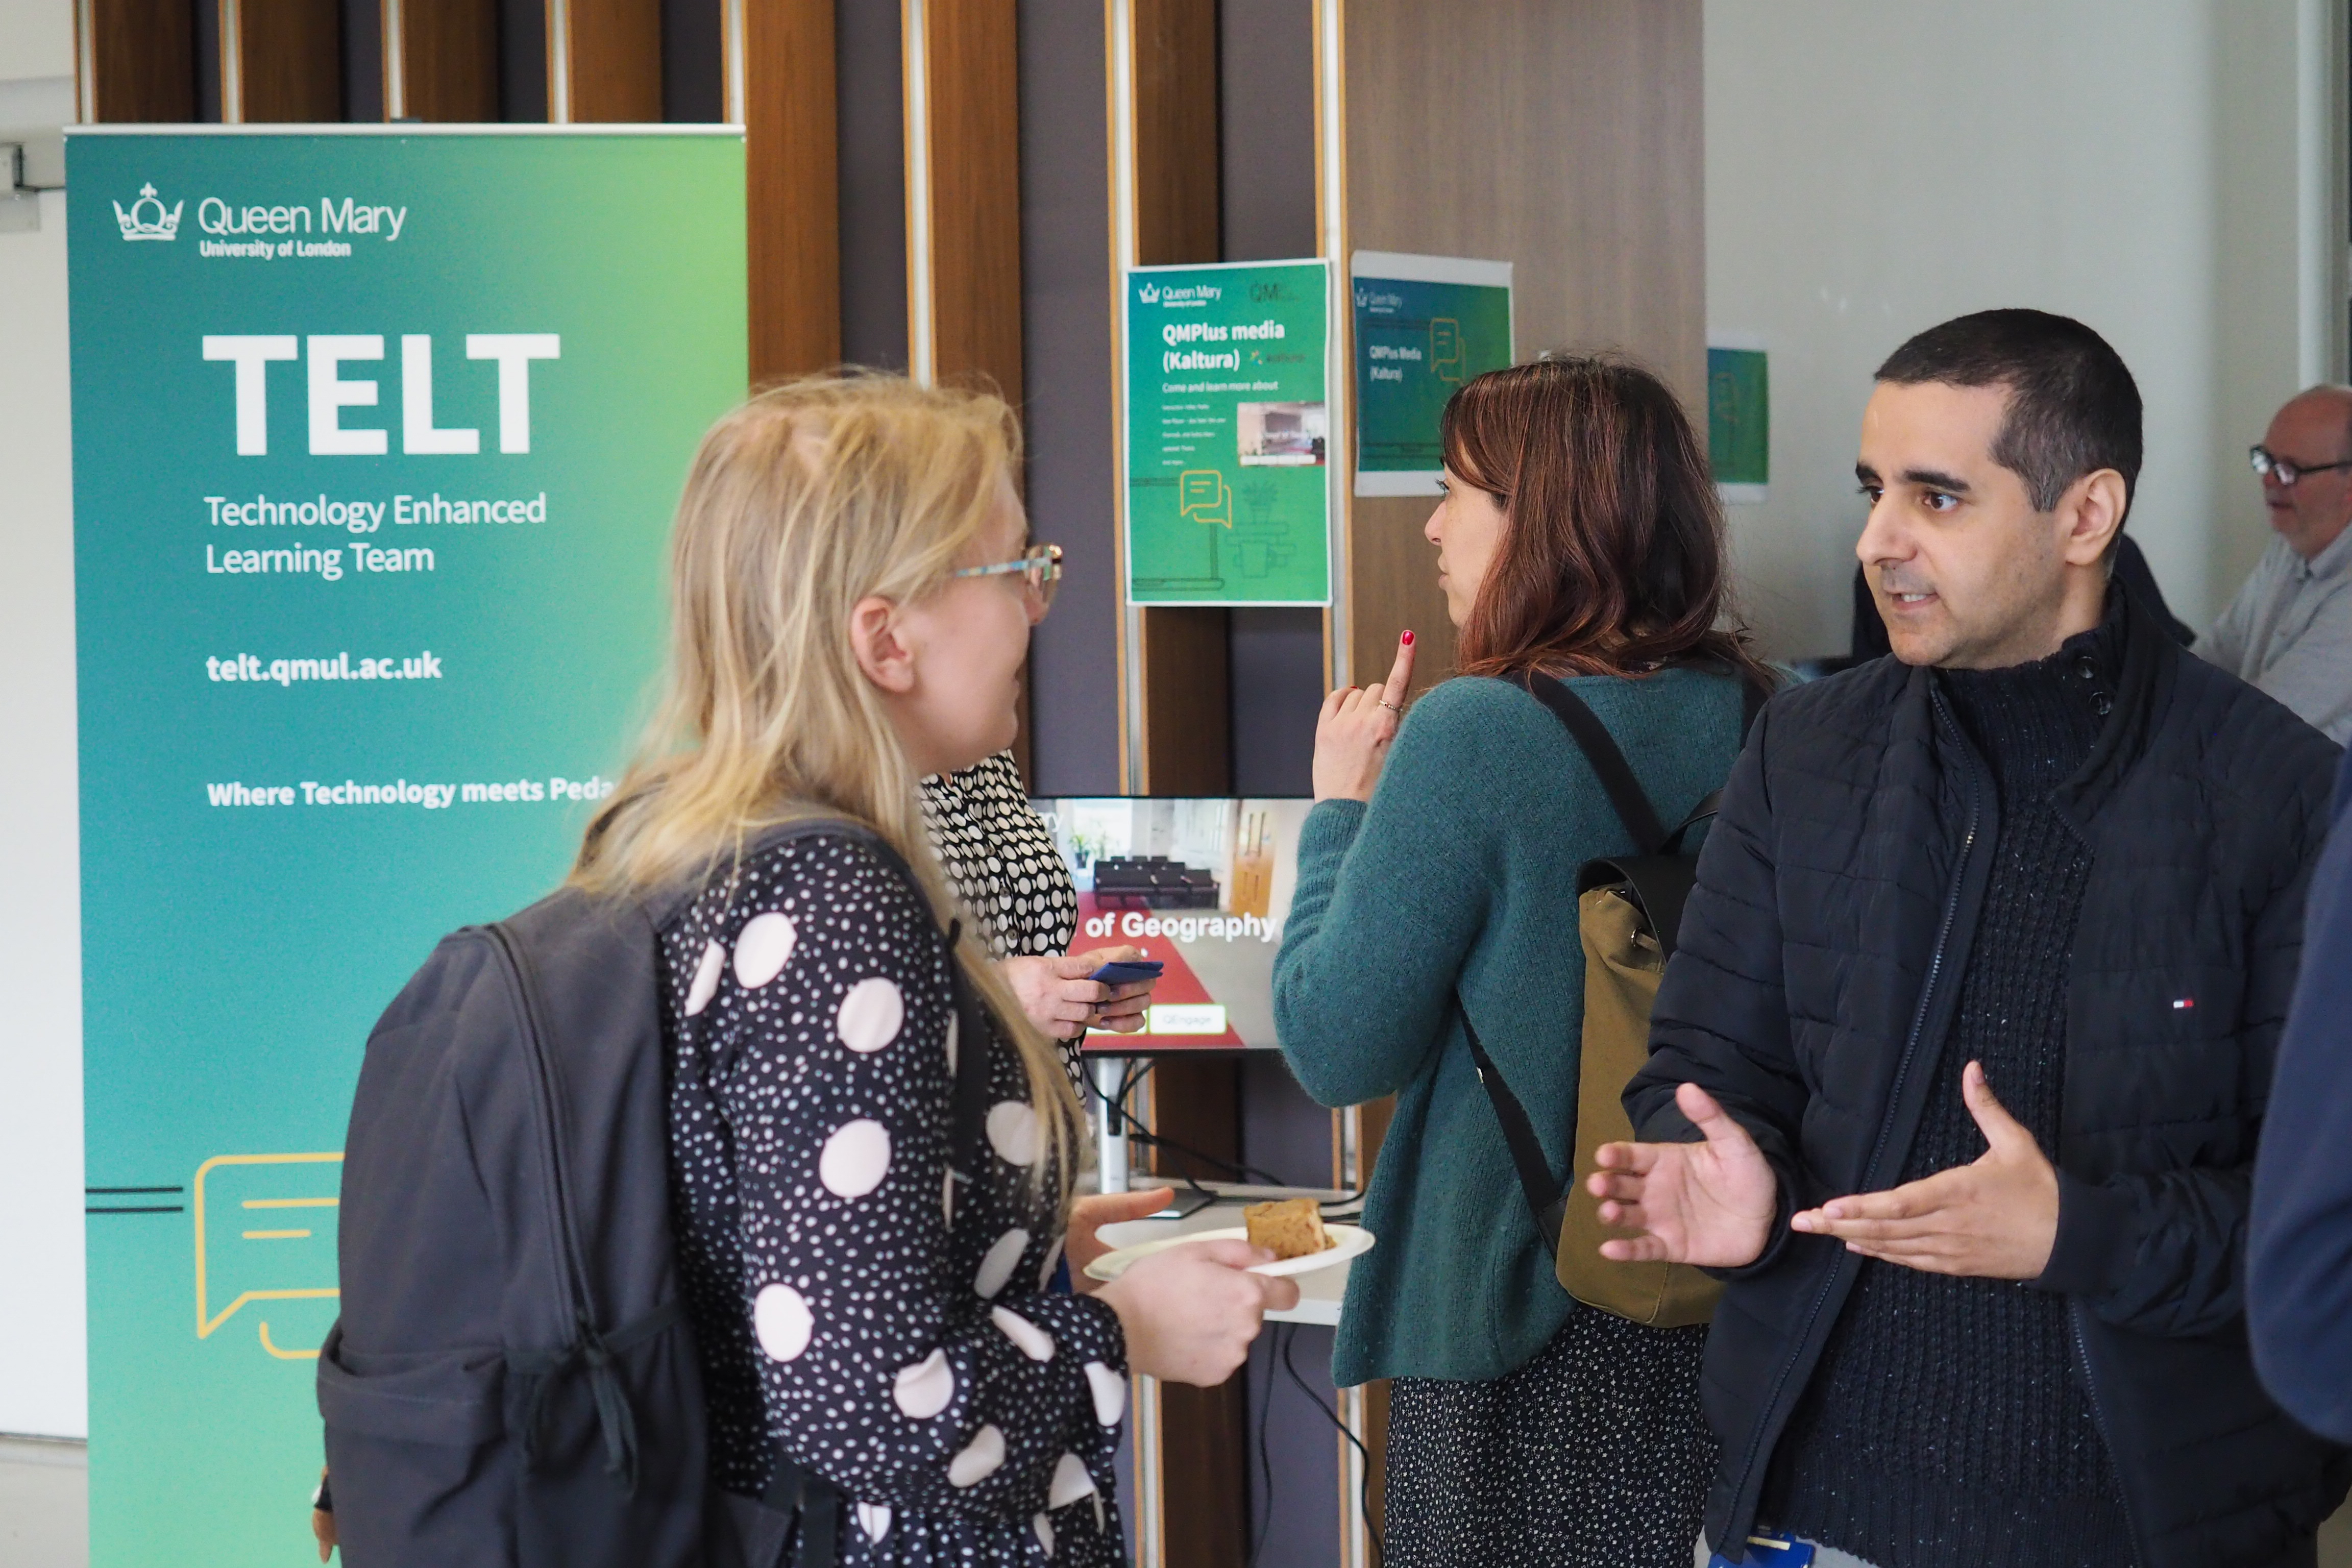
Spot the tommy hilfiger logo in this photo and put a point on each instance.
(147, 220)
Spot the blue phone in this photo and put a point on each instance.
(1127, 972)
(1771, 1551)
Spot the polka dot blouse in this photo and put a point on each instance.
(1000, 857)
(893, 1330)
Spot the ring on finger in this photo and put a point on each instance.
(1391, 707)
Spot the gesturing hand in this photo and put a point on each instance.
(1995, 1219)
(1710, 1204)
(1352, 735)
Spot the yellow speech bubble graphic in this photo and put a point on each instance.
(265, 1232)
(1203, 495)
(1445, 348)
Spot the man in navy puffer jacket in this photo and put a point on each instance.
(1960, 1067)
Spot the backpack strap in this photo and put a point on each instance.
(794, 1489)
(967, 1141)
(1752, 698)
(1547, 1198)
(1601, 750)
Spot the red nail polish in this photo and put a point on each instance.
(1408, 639)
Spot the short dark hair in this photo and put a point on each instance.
(2073, 408)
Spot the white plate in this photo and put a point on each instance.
(1352, 1241)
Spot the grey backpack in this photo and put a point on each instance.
(512, 1383)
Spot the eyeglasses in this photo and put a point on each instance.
(1040, 567)
(2285, 470)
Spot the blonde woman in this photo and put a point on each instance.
(853, 592)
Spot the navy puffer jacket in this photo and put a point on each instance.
(1816, 977)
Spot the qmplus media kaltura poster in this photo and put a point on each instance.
(376, 441)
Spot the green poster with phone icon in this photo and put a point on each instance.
(377, 433)
(1227, 435)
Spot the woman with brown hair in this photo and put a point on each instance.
(1579, 542)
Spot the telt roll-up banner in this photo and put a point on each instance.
(376, 440)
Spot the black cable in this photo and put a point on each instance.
(1265, 1461)
(1285, 1335)
(1364, 1487)
(1135, 1132)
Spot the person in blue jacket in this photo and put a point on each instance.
(2299, 1247)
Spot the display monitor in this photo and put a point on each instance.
(1202, 885)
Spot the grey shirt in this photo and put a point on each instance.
(2289, 632)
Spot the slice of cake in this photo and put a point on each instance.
(1291, 1228)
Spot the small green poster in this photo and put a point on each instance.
(1425, 325)
(1739, 422)
(1228, 433)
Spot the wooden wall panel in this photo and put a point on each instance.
(1186, 653)
(604, 61)
(1067, 394)
(441, 61)
(138, 61)
(1566, 139)
(792, 185)
(973, 80)
(1186, 678)
(1176, 161)
(282, 61)
(1187, 701)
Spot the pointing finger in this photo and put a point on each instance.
(1400, 679)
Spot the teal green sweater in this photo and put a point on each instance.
(1461, 872)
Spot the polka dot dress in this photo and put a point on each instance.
(1593, 1455)
(890, 1330)
(1000, 860)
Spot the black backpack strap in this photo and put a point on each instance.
(794, 1489)
(1547, 1198)
(1753, 695)
(1662, 883)
(1600, 749)
(967, 1141)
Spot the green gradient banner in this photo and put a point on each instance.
(376, 439)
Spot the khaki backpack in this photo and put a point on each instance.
(1629, 909)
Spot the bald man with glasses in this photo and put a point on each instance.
(2289, 631)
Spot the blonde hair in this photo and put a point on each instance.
(809, 496)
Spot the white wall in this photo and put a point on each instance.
(1875, 166)
(42, 1388)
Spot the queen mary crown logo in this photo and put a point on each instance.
(1149, 293)
(147, 220)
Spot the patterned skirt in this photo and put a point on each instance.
(1593, 1455)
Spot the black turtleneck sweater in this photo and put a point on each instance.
(1945, 1426)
